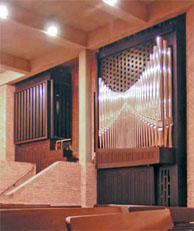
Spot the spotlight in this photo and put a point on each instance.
(3, 11)
(52, 27)
(52, 30)
(110, 2)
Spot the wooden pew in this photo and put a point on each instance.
(179, 214)
(157, 220)
(135, 208)
(183, 218)
(182, 214)
(45, 218)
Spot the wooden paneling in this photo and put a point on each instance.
(37, 152)
(111, 158)
(31, 113)
(126, 186)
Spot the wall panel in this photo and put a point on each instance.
(126, 186)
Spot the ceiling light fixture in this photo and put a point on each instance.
(110, 2)
(52, 27)
(3, 11)
(52, 30)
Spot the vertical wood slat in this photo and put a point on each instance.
(60, 111)
(37, 111)
(16, 116)
(28, 113)
(19, 119)
(41, 108)
(64, 113)
(31, 113)
(34, 112)
(45, 112)
(24, 115)
(51, 109)
(67, 99)
(67, 111)
(55, 110)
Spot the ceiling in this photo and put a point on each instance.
(26, 49)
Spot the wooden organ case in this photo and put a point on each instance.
(141, 118)
(43, 116)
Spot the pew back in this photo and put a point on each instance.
(45, 218)
(157, 220)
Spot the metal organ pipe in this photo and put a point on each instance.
(142, 115)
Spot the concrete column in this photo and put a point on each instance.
(190, 105)
(88, 171)
(7, 147)
(85, 128)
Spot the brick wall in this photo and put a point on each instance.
(190, 105)
(59, 184)
(11, 171)
(62, 183)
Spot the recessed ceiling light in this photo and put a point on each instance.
(110, 2)
(3, 11)
(52, 30)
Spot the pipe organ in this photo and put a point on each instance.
(141, 116)
(141, 125)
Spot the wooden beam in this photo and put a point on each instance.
(109, 33)
(50, 60)
(133, 12)
(10, 62)
(160, 11)
(67, 35)
(118, 29)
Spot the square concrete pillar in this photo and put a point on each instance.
(88, 171)
(190, 105)
(7, 147)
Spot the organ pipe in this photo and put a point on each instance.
(142, 115)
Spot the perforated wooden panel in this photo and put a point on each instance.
(165, 187)
(121, 70)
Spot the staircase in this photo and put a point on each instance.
(13, 174)
(58, 184)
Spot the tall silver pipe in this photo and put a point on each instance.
(141, 116)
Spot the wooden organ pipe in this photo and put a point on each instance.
(142, 115)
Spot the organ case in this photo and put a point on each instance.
(141, 110)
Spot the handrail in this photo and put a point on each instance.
(13, 185)
(63, 140)
(59, 143)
